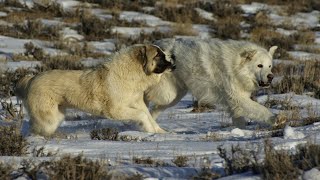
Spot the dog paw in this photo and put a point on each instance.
(161, 131)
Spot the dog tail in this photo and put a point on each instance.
(22, 85)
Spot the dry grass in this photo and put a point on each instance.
(238, 160)
(181, 161)
(299, 79)
(8, 79)
(228, 27)
(12, 143)
(276, 164)
(148, 161)
(105, 134)
(184, 29)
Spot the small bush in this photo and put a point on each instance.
(181, 161)
(34, 51)
(77, 167)
(60, 62)
(8, 79)
(228, 27)
(12, 143)
(67, 167)
(278, 165)
(5, 171)
(148, 161)
(268, 38)
(105, 134)
(239, 160)
(206, 174)
(299, 79)
(94, 28)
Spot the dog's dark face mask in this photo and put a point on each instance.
(155, 60)
(162, 64)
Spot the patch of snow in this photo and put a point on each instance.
(304, 56)
(285, 32)
(253, 8)
(69, 34)
(22, 64)
(150, 20)
(294, 99)
(50, 22)
(299, 20)
(3, 14)
(290, 133)
(11, 46)
(288, 145)
(148, 8)
(27, 3)
(68, 4)
(313, 174)
(132, 31)
(204, 31)
(106, 46)
(205, 14)
(102, 14)
(237, 132)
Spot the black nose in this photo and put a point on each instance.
(270, 77)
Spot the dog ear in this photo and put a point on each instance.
(273, 49)
(248, 55)
(145, 60)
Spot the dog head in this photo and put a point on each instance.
(259, 64)
(154, 60)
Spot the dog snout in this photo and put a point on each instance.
(270, 77)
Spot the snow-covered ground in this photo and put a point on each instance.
(195, 135)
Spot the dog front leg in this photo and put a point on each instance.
(245, 107)
(137, 115)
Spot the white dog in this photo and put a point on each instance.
(114, 90)
(215, 71)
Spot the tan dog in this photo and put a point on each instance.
(114, 90)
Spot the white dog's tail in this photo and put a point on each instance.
(22, 85)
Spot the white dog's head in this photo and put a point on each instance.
(259, 64)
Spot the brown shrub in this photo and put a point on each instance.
(105, 134)
(278, 165)
(181, 161)
(268, 38)
(8, 79)
(228, 27)
(239, 160)
(12, 143)
(181, 14)
(299, 78)
(60, 62)
(5, 171)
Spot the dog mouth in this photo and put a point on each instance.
(263, 84)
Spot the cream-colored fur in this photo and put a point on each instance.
(114, 90)
(215, 72)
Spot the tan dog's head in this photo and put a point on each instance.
(153, 59)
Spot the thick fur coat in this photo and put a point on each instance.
(216, 72)
(113, 90)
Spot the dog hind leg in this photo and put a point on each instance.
(44, 121)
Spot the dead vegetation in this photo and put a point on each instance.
(12, 143)
(276, 164)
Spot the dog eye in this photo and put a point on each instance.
(260, 65)
(270, 66)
